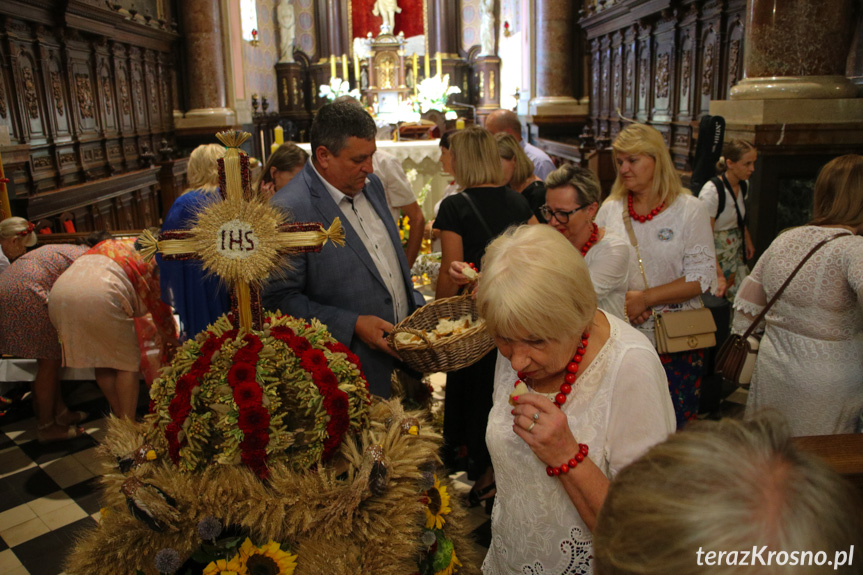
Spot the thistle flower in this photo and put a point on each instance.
(209, 528)
(167, 561)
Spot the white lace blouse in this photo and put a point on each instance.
(810, 361)
(677, 242)
(608, 262)
(619, 407)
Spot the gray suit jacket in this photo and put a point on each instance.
(338, 284)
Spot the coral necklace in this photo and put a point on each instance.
(649, 216)
(592, 240)
(571, 372)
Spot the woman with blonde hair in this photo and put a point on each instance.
(468, 222)
(808, 365)
(755, 497)
(16, 235)
(197, 297)
(674, 261)
(281, 167)
(518, 172)
(727, 211)
(578, 395)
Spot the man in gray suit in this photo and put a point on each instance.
(362, 289)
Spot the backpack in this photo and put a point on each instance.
(719, 183)
(708, 150)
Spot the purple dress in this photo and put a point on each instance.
(25, 329)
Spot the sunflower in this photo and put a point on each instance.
(437, 505)
(232, 566)
(453, 566)
(267, 559)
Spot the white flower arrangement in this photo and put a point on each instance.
(336, 88)
(411, 175)
(432, 93)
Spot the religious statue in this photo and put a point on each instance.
(387, 10)
(285, 15)
(486, 34)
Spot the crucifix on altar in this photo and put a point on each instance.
(242, 238)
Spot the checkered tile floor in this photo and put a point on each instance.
(48, 493)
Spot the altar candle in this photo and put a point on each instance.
(427, 65)
(439, 66)
(274, 147)
(332, 65)
(357, 70)
(263, 149)
(459, 124)
(344, 67)
(279, 135)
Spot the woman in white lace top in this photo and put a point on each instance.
(675, 241)
(810, 361)
(595, 399)
(571, 202)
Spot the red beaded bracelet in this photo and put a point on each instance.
(571, 464)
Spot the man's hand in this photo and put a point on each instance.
(372, 330)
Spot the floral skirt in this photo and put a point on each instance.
(684, 371)
(729, 252)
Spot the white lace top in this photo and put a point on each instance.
(619, 407)
(810, 361)
(608, 262)
(677, 242)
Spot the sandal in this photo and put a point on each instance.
(72, 432)
(75, 417)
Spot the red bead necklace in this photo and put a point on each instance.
(571, 372)
(591, 240)
(649, 216)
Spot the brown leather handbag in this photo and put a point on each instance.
(735, 360)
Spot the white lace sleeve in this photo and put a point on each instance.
(699, 255)
(750, 299)
(609, 272)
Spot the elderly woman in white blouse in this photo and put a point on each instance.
(675, 242)
(590, 396)
(571, 202)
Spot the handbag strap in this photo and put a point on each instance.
(627, 221)
(781, 289)
(481, 219)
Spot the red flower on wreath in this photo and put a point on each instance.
(184, 385)
(246, 355)
(281, 331)
(300, 345)
(241, 372)
(313, 360)
(254, 418)
(256, 461)
(325, 378)
(255, 441)
(171, 432)
(180, 407)
(247, 394)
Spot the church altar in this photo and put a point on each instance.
(422, 156)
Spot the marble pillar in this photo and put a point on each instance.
(552, 60)
(205, 80)
(796, 49)
(444, 23)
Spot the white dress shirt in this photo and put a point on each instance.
(361, 215)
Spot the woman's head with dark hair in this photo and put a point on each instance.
(281, 167)
(838, 197)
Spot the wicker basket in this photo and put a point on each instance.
(447, 354)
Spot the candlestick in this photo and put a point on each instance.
(263, 149)
(279, 135)
(344, 67)
(332, 65)
(426, 65)
(439, 66)
(357, 71)
(416, 72)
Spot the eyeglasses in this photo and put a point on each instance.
(559, 215)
